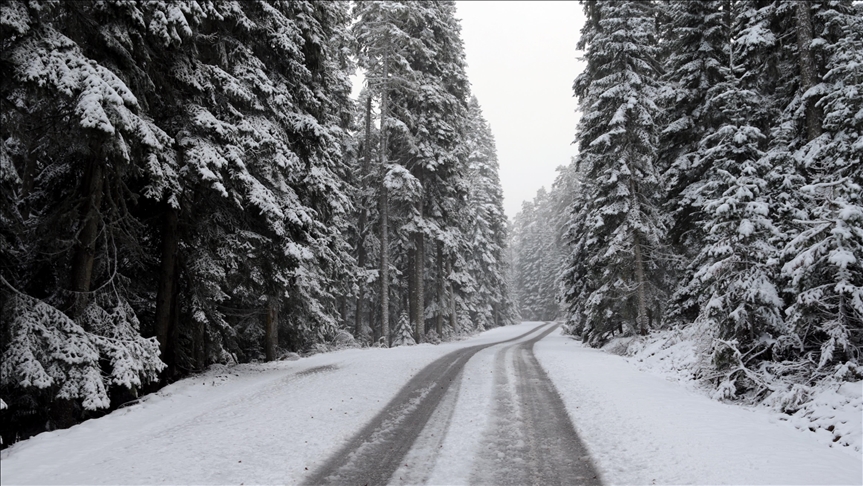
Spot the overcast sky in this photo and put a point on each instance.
(521, 64)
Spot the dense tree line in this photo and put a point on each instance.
(720, 175)
(537, 248)
(189, 183)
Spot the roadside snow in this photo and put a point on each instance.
(253, 424)
(644, 429)
(831, 412)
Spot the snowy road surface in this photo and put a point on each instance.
(530, 439)
(281, 423)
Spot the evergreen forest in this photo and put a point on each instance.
(716, 192)
(189, 182)
(186, 183)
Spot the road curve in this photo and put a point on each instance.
(376, 452)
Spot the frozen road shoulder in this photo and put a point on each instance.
(642, 429)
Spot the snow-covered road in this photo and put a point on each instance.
(277, 423)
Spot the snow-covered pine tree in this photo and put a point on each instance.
(412, 53)
(696, 42)
(824, 259)
(254, 207)
(77, 141)
(365, 202)
(404, 335)
(618, 220)
(380, 45)
(485, 227)
(742, 319)
(262, 206)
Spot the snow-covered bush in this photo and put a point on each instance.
(49, 351)
(432, 337)
(403, 335)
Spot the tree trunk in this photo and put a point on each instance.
(453, 322)
(85, 249)
(641, 319)
(807, 68)
(440, 291)
(419, 285)
(271, 328)
(361, 226)
(344, 306)
(410, 273)
(165, 292)
(200, 346)
(28, 179)
(641, 280)
(384, 210)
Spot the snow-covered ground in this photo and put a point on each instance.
(274, 423)
(253, 424)
(644, 429)
(831, 410)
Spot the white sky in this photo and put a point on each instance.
(521, 63)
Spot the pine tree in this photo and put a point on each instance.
(824, 258)
(697, 47)
(77, 141)
(620, 226)
(260, 134)
(172, 171)
(404, 335)
(485, 226)
(413, 57)
(742, 317)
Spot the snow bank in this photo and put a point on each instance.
(644, 429)
(832, 410)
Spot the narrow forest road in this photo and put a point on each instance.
(528, 440)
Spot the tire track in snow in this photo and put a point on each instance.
(378, 450)
(530, 439)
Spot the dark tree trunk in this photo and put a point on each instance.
(453, 322)
(384, 210)
(165, 293)
(410, 273)
(271, 328)
(640, 277)
(440, 291)
(384, 270)
(174, 324)
(27, 181)
(641, 319)
(419, 287)
(344, 307)
(85, 248)
(808, 72)
(361, 226)
(200, 346)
